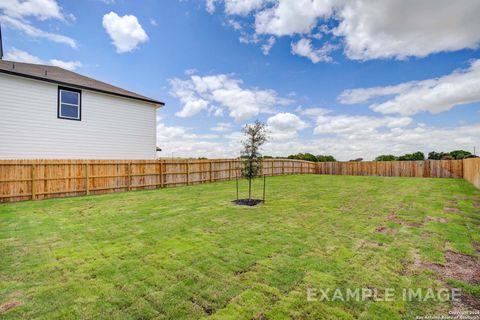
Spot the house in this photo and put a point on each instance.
(47, 112)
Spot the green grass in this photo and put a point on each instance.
(189, 253)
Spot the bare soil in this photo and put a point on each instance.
(9, 305)
(451, 210)
(437, 219)
(398, 220)
(247, 202)
(459, 266)
(386, 230)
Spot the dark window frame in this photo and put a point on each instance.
(59, 103)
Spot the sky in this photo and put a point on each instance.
(352, 79)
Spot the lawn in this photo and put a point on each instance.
(188, 252)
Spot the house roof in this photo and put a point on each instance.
(67, 78)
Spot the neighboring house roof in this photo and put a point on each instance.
(67, 78)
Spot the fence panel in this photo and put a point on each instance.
(426, 169)
(471, 171)
(43, 179)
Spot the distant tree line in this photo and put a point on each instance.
(306, 157)
(311, 157)
(452, 155)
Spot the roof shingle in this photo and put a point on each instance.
(68, 78)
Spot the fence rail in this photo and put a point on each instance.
(42, 179)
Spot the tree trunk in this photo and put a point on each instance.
(249, 188)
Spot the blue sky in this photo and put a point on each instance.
(347, 78)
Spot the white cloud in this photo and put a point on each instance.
(222, 91)
(357, 125)
(182, 142)
(349, 137)
(210, 6)
(22, 56)
(398, 29)
(234, 24)
(40, 9)
(242, 7)
(125, 31)
(285, 125)
(370, 29)
(286, 121)
(432, 95)
(389, 137)
(267, 46)
(69, 65)
(153, 22)
(288, 17)
(222, 126)
(32, 31)
(352, 96)
(236, 7)
(304, 48)
(313, 112)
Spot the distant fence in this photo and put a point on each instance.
(471, 171)
(419, 169)
(42, 179)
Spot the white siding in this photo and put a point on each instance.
(111, 127)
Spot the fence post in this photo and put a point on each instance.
(129, 175)
(87, 179)
(283, 167)
(160, 173)
(229, 170)
(188, 173)
(210, 162)
(33, 181)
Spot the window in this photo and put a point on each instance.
(69, 104)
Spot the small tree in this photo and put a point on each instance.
(255, 137)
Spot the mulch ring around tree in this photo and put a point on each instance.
(247, 202)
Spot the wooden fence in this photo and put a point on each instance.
(42, 179)
(420, 169)
(471, 171)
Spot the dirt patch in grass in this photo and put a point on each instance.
(247, 202)
(386, 230)
(9, 305)
(451, 210)
(459, 266)
(208, 310)
(426, 234)
(362, 243)
(398, 220)
(437, 219)
(466, 303)
(260, 316)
